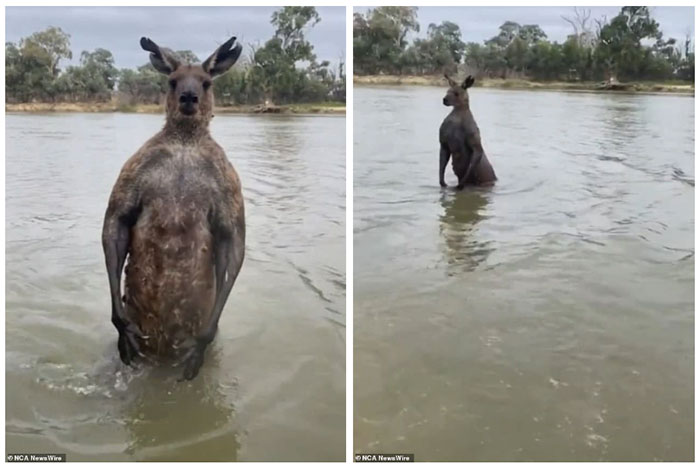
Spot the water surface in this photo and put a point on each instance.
(272, 386)
(547, 318)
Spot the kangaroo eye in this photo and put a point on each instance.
(172, 83)
(206, 84)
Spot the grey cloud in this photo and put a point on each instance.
(200, 29)
(481, 23)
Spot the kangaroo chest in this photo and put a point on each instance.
(180, 176)
(454, 135)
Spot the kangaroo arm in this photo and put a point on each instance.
(115, 243)
(229, 252)
(474, 143)
(444, 158)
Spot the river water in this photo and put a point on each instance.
(273, 383)
(547, 318)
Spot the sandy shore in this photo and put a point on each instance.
(637, 87)
(107, 107)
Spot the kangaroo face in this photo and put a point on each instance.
(190, 94)
(457, 95)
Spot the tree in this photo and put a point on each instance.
(686, 68)
(575, 58)
(13, 72)
(546, 61)
(284, 69)
(618, 47)
(474, 56)
(145, 85)
(507, 32)
(448, 36)
(290, 23)
(531, 34)
(582, 29)
(400, 20)
(52, 43)
(516, 54)
(440, 52)
(100, 65)
(276, 64)
(619, 50)
(495, 60)
(379, 38)
(187, 56)
(28, 72)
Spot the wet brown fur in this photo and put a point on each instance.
(460, 139)
(181, 199)
(169, 279)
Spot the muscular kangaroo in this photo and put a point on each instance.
(460, 138)
(176, 211)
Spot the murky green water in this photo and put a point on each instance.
(548, 318)
(273, 384)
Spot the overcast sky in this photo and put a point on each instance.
(200, 29)
(481, 23)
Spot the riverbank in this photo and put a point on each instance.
(634, 87)
(110, 107)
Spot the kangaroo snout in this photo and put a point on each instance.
(188, 97)
(188, 103)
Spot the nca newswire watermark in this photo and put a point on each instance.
(28, 458)
(384, 458)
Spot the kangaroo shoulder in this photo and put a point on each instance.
(449, 125)
(215, 157)
(229, 201)
(152, 152)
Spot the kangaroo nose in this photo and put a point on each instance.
(188, 97)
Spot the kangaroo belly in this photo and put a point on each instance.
(170, 280)
(484, 172)
(460, 162)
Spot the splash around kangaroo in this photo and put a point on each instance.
(461, 140)
(176, 210)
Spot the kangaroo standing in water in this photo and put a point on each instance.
(176, 210)
(460, 138)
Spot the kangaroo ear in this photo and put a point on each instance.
(468, 82)
(223, 58)
(450, 81)
(162, 59)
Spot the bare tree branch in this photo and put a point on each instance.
(579, 23)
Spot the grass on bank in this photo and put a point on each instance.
(113, 106)
(661, 87)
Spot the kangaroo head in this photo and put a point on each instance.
(190, 96)
(457, 94)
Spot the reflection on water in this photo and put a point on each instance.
(461, 216)
(547, 318)
(155, 421)
(273, 383)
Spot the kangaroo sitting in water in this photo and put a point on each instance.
(460, 138)
(177, 211)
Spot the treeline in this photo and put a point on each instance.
(630, 46)
(283, 70)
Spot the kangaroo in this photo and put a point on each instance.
(460, 138)
(176, 210)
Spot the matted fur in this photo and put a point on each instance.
(177, 210)
(460, 139)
